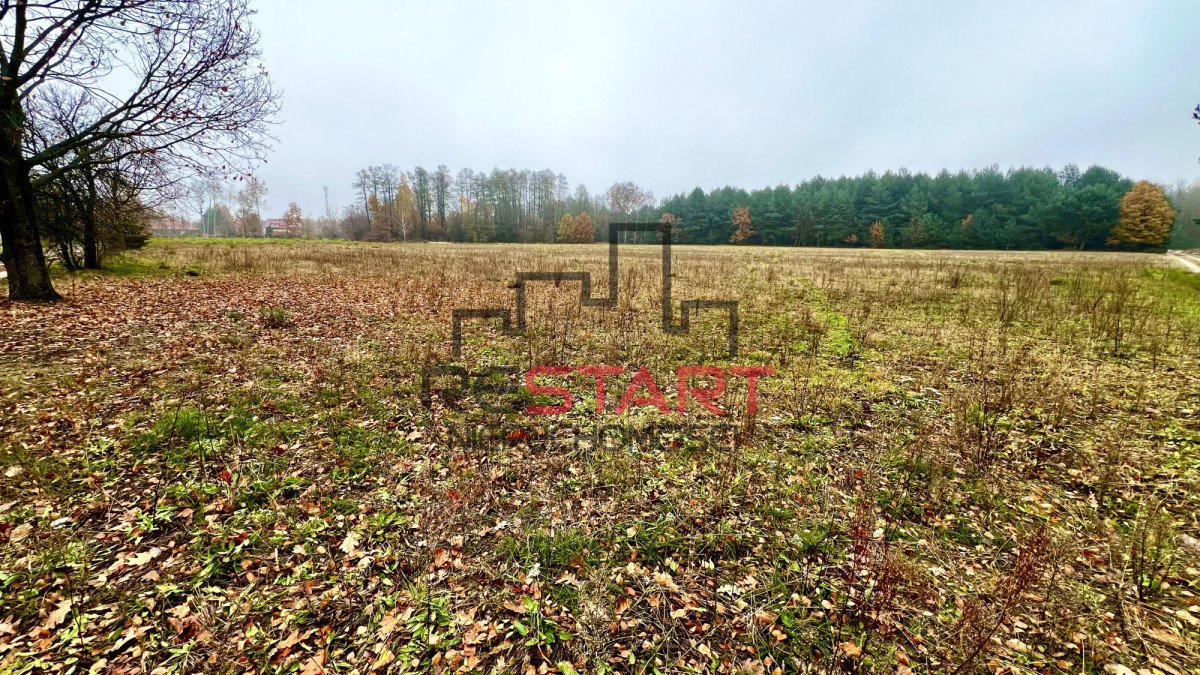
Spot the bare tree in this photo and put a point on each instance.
(624, 199)
(204, 195)
(386, 178)
(364, 184)
(112, 189)
(250, 204)
(627, 198)
(419, 177)
(441, 194)
(355, 224)
(181, 79)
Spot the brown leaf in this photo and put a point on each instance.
(315, 665)
(58, 615)
(388, 623)
(290, 641)
(1166, 637)
(20, 532)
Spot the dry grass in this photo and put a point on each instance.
(966, 461)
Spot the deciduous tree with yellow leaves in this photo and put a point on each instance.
(1146, 218)
(575, 229)
(566, 229)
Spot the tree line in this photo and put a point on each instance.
(501, 205)
(988, 208)
(1024, 208)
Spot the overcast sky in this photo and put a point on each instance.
(674, 95)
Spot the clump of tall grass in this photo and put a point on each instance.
(274, 316)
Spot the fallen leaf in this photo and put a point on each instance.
(315, 665)
(350, 543)
(290, 641)
(852, 650)
(20, 532)
(663, 579)
(440, 557)
(1016, 645)
(622, 605)
(388, 623)
(144, 557)
(1166, 637)
(58, 615)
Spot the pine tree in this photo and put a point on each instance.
(1146, 218)
(741, 225)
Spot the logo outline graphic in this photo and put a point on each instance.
(516, 327)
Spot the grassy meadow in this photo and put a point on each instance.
(216, 457)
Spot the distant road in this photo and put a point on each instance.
(1189, 260)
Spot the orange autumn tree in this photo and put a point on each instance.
(1146, 218)
(379, 228)
(585, 232)
(575, 229)
(878, 237)
(741, 225)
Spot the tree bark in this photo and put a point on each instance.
(91, 254)
(91, 258)
(23, 258)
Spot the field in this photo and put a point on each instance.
(220, 457)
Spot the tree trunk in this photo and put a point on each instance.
(28, 276)
(91, 256)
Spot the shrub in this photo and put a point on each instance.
(275, 317)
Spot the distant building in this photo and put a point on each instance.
(278, 227)
(170, 226)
